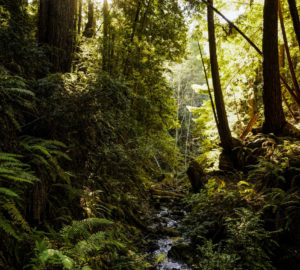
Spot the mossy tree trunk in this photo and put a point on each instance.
(274, 116)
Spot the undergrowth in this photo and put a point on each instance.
(244, 223)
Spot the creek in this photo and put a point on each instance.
(167, 222)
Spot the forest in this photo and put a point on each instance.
(149, 134)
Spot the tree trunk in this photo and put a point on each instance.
(224, 131)
(79, 17)
(295, 17)
(274, 116)
(90, 26)
(105, 48)
(57, 26)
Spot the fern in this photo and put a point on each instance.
(8, 228)
(15, 98)
(7, 192)
(56, 257)
(45, 256)
(13, 175)
(12, 169)
(15, 214)
(83, 228)
(44, 154)
(95, 243)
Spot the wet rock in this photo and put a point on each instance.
(170, 232)
(178, 213)
(182, 252)
(152, 245)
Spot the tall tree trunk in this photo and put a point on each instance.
(105, 48)
(57, 27)
(274, 116)
(224, 131)
(90, 26)
(79, 17)
(295, 17)
(128, 64)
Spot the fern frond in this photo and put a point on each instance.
(60, 154)
(87, 247)
(55, 257)
(82, 228)
(19, 91)
(54, 143)
(17, 179)
(9, 157)
(8, 192)
(16, 215)
(43, 150)
(6, 226)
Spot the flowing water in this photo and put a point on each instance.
(165, 242)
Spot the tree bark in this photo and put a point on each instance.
(274, 116)
(224, 131)
(57, 27)
(90, 26)
(295, 18)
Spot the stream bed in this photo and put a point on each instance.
(169, 222)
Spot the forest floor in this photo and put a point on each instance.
(236, 215)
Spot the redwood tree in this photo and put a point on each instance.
(224, 131)
(57, 27)
(274, 116)
(90, 26)
(79, 16)
(105, 45)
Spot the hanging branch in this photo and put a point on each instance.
(234, 26)
(287, 50)
(208, 87)
(295, 18)
(296, 99)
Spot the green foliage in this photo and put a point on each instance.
(91, 243)
(81, 229)
(44, 156)
(227, 228)
(16, 100)
(14, 174)
(212, 258)
(46, 256)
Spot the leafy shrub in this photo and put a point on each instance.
(227, 228)
(91, 243)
